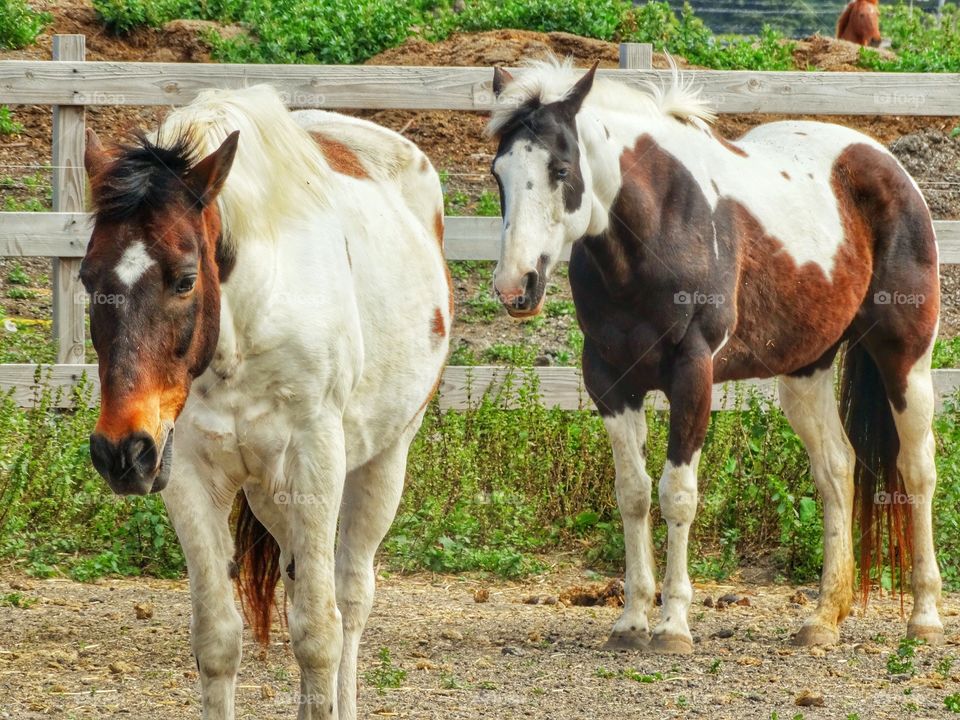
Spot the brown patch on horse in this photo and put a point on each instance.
(786, 175)
(340, 157)
(438, 227)
(860, 23)
(893, 331)
(788, 316)
(735, 149)
(438, 327)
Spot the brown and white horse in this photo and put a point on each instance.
(696, 260)
(860, 23)
(282, 301)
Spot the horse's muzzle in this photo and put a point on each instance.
(529, 301)
(135, 465)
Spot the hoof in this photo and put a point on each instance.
(816, 635)
(627, 640)
(665, 644)
(930, 634)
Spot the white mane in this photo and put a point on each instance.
(278, 170)
(550, 79)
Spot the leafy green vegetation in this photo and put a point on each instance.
(329, 31)
(489, 489)
(920, 41)
(8, 126)
(385, 675)
(20, 24)
(900, 662)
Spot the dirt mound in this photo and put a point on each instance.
(829, 54)
(609, 595)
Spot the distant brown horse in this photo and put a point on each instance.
(860, 23)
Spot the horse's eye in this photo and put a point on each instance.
(561, 173)
(185, 284)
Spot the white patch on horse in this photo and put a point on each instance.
(716, 244)
(134, 263)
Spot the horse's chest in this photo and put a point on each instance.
(237, 433)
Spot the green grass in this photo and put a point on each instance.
(385, 675)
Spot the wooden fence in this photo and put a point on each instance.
(70, 84)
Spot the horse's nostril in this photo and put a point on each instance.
(102, 453)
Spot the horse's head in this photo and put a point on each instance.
(545, 195)
(152, 272)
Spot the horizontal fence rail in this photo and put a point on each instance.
(29, 234)
(462, 88)
(461, 388)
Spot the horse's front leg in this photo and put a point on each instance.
(316, 469)
(689, 394)
(199, 508)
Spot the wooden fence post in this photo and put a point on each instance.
(69, 180)
(636, 56)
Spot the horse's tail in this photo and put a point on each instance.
(868, 420)
(258, 559)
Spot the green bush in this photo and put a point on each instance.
(20, 24)
(922, 44)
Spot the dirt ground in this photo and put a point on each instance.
(121, 647)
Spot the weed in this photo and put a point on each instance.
(17, 600)
(8, 126)
(488, 205)
(901, 661)
(952, 702)
(19, 293)
(602, 672)
(18, 276)
(385, 675)
(945, 666)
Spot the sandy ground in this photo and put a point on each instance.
(81, 651)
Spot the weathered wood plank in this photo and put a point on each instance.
(27, 234)
(462, 88)
(69, 181)
(461, 388)
(636, 56)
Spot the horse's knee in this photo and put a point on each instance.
(217, 643)
(678, 493)
(317, 637)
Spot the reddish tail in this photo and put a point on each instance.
(258, 558)
(880, 495)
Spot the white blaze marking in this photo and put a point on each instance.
(134, 263)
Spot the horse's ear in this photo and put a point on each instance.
(95, 158)
(571, 102)
(500, 79)
(206, 178)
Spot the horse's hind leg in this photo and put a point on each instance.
(809, 403)
(915, 462)
(370, 499)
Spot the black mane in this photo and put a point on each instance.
(143, 176)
